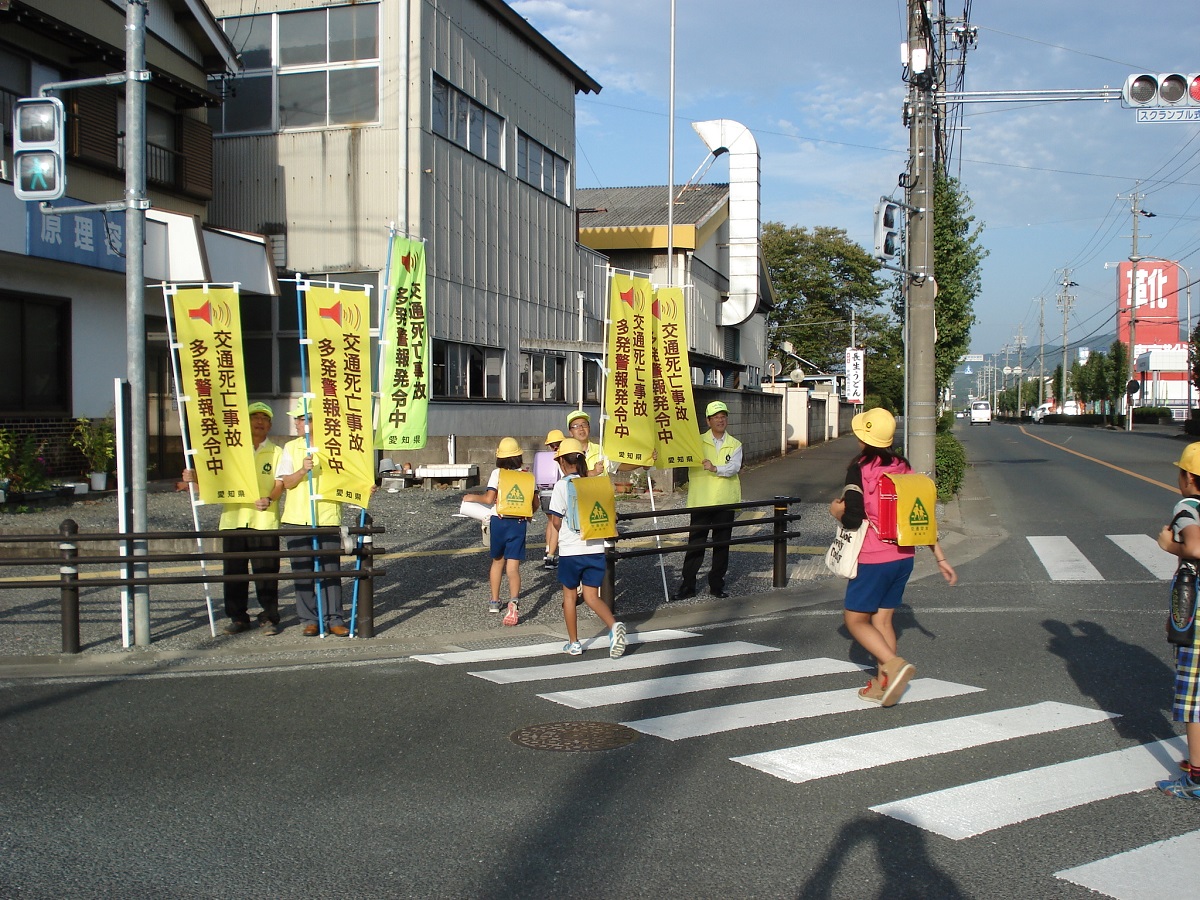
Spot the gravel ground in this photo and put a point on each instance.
(436, 581)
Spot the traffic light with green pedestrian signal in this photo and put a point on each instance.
(38, 149)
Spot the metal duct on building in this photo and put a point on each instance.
(734, 138)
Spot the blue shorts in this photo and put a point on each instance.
(878, 585)
(508, 538)
(587, 569)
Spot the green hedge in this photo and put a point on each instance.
(950, 465)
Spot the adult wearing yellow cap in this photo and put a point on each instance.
(579, 426)
(295, 468)
(242, 520)
(1181, 538)
(715, 482)
(883, 568)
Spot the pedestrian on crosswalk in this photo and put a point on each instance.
(1182, 538)
(883, 568)
(580, 561)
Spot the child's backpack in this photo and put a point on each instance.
(908, 510)
(591, 507)
(514, 494)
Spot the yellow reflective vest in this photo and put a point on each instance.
(707, 488)
(243, 515)
(297, 509)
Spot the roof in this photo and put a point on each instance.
(640, 207)
(583, 81)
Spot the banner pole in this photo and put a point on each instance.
(188, 452)
(301, 289)
(662, 563)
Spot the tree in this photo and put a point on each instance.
(957, 258)
(1117, 376)
(820, 276)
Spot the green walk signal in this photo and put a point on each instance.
(39, 148)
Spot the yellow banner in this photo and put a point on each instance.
(597, 507)
(514, 495)
(404, 364)
(337, 319)
(628, 429)
(208, 327)
(676, 428)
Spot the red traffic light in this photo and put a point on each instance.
(1194, 90)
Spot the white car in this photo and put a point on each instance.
(981, 413)
(1039, 414)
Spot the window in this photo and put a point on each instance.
(542, 168)
(35, 373)
(470, 124)
(542, 377)
(312, 68)
(467, 372)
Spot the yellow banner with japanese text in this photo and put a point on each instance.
(208, 329)
(337, 320)
(404, 365)
(628, 429)
(676, 428)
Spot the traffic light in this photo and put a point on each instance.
(1162, 90)
(38, 149)
(887, 229)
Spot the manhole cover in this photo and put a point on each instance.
(574, 737)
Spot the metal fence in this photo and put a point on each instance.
(356, 541)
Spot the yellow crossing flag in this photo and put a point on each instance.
(208, 328)
(337, 320)
(628, 428)
(404, 359)
(676, 429)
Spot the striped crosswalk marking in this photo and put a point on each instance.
(863, 751)
(602, 665)
(1146, 551)
(783, 709)
(671, 685)
(971, 809)
(1062, 559)
(533, 651)
(1162, 869)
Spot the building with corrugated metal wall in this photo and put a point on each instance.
(454, 120)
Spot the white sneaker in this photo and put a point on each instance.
(573, 648)
(616, 641)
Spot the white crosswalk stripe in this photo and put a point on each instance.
(1146, 551)
(533, 651)
(971, 809)
(1062, 559)
(836, 757)
(784, 709)
(602, 665)
(672, 685)
(1162, 869)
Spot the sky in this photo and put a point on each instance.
(819, 85)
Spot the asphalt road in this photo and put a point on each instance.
(398, 778)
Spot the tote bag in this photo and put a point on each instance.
(842, 556)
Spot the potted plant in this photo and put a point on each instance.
(95, 439)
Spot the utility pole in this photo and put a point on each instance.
(1041, 350)
(1065, 302)
(1019, 369)
(921, 418)
(1134, 199)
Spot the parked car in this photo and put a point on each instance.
(1071, 408)
(981, 413)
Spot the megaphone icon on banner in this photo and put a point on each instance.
(332, 312)
(406, 261)
(204, 312)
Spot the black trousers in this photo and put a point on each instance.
(237, 593)
(720, 523)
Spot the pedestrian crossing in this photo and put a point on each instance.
(828, 687)
(1064, 561)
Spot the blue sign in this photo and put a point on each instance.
(84, 238)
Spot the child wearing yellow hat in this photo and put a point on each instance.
(506, 533)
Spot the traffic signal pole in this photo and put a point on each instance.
(921, 412)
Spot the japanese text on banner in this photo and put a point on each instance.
(208, 327)
(339, 359)
(855, 377)
(676, 430)
(628, 428)
(404, 352)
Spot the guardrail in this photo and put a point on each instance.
(778, 538)
(356, 541)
